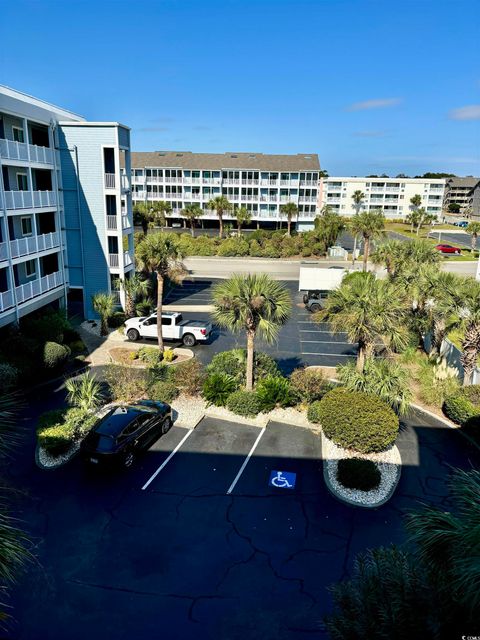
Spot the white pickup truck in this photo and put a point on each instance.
(174, 327)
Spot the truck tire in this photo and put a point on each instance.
(133, 335)
(315, 307)
(189, 340)
(305, 298)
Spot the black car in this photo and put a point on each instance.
(125, 431)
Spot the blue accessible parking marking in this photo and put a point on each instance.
(282, 479)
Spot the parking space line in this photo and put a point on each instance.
(245, 462)
(331, 355)
(323, 342)
(319, 331)
(167, 460)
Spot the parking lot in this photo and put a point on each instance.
(301, 341)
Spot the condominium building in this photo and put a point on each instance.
(65, 211)
(466, 193)
(259, 182)
(392, 195)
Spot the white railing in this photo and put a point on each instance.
(109, 181)
(211, 180)
(34, 244)
(127, 259)
(308, 198)
(377, 189)
(195, 180)
(40, 154)
(125, 182)
(126, 222)
(331, 200)
(154, 179)
(6, 300)
(234, 197)
(232, 181)
(111, 222)
(180, 179)
(192, 196)
(308, 183)
(29, 199)
(249, 181)
(393, 189)
(113, 260)
(3, 251)
(13, 150)
(37, 287)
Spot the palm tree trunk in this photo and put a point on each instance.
(220, 222)
(250, 339)
(366, 249)
(438, 335)
(129, 305)
(474, 241)
(361, 357)
(470, 349)
(192, 230)
(103, 325)
(159, 311)
(354, 250)
(289, 224)
(239, 226)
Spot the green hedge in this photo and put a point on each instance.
(163, 391)
(57, 430)
(355, 420)
(244, 403)
(355, 473)
(54, 355)
(309, 384)
(464, 406)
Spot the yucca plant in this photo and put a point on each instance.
(104, 305)
(84, 392)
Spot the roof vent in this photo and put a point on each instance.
(162, 154)
(252, 155)
(234, 155)
(307, 157)
(179, 155)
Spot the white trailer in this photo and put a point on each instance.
(314, 278)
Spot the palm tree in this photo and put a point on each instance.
(143, 212)
(474, 230)
(358, 197)
(416, 214)
(290, 210)
(192, 213)
(159, 253)
(84, 392)
(252, 303)
(467, 307)
(440, 290)
(371, 226)
(367, 310)
(328, 226)
(104, 305)
(388, 253)
(243, 216)
(221, 205)
(133, 287)
(159, 211)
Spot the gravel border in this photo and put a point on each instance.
(188, 411)
(389, 464)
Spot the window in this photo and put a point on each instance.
(26, 226)
(166, 322)
(22, 182)
(30, 268)
(18, 134)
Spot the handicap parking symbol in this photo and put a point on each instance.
(282, 479)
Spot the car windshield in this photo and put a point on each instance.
(100, 442)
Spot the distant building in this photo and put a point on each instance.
(466, 193)
(259, 182)
(65, 212)
(392, 195)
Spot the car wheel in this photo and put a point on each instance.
(133, 335)
(166, 426)
(189, 340)
(315, 307)
(457, 253)
(305, 299)
(129, 459)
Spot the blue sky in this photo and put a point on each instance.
(370, 85)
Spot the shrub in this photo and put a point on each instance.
(356, 420)
(53, 434)
(234, 363)
(233, 247)
(274, 391)
(77, 346)
(54, 355)
(117, 319)
(145, 307)
(472, 392)
(459, 409)
(168, 355)
(126, 383)
(8, 376)
(255, 250)
(306, 252)
(217, 387)
(434, 390)
(50, 326)
(163, 391)
(309, 384)
(355, 473)
(150, 355)
(70, 335)
(188, 376)
(313, 412)
(244, 403)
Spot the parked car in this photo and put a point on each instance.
(461, 223)
(448, 248)
(174, 327)
(126, 430)
(314, 300)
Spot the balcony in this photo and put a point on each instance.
(249, 181)
(267, 183)
(113, 260)
(331, 200)
(192, 196)
(232, 181)
(6, 300)
(308, 199)
(126, 224)
(127, 259)
(177, 180)
(30, 199)
(211, 180)
(308, 183)
(34, 244)
(12, 150)
(111, 222)
(37, 287)
(110, 180)
(392, 189)
(378, 189)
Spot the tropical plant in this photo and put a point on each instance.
(371, 226)
(388, 253)
(381, 377)
(290, 211)
(244, 403)
(192, 213)
(414, 218)
(234, 363)
(252, 303)
(328, 226)
(358, 197)
(159, 253)
(367, 310)
(242, 216)
(104, 305)
(159, 210)
(309, 384)
(467, 307)
(221, 205)
(474, 230)
(274, 391)
(143, 213)
(134, 287)
(217, 388)
(84, 392)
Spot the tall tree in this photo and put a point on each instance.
(192, 213)
(143, 214)
(160, 210)
(474, 230)
(367, 310)
(104, 305)
(252, 303)
(415, 216)
(467, 307)
(221, 205)
(243, 216)
(159, 253)
(389, 253)
(371, 226)
(290, 211)
(328, 226)
(358, 197)
(133, 287)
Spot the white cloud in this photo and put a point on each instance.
(379, 103)
(470, 112)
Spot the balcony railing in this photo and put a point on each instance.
(126, 222)
(6, 300)
(37, 287)
(249, 180)
(3, 251)
(125, 182)
(111, 222)
(13, 150)
(127, 259)
(211, 180)
(232, 181)
(172, 179)
(308, 183)
(113, 260)
(34, 244)
(30, 199)
(110, 181)
(308, 198)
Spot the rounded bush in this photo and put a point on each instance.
(309, 384)
(313, 412)
(355, 473)
(150, 355)
(168, 355)
(217, 387)
(244, 403)
(356, 420)
(233, 247)
(459, 409)
(54, 355)
(8, 375)
(274, 391)
(163, 391)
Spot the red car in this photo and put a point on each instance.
(448, 248)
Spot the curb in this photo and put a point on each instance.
(66, 460)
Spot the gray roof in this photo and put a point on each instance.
(232, 160)
(467, 183)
